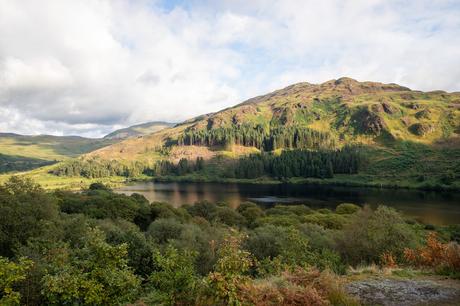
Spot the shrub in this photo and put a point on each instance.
(297, 287)
(139, 249)
(203, 209)
(329, 220)
(347, 208)
(373, 233)
(10, 274)
(230, 217)
(290, 247)
(251, 212)
(203, 241)
(442, 257)
(101, 204)
(26, 211)
(98, 186)
(318, 236)
(163, 230)
(96, 274)
(175, 280)
(266, 241)
(230, 272)
(297, 210)
(159, 210)
(278, 220)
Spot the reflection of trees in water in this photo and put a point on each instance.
(432, 207)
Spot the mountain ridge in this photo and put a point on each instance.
(406, 134)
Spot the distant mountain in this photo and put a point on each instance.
(139, 130)
(410, 133)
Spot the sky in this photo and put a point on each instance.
(88, 67)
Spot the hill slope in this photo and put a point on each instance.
(405, 133)
(22, 152)
(138, 130)
(26, 152)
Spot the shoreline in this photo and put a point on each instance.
(300, 181)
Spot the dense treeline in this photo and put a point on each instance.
(97, 168)
(290, 137)
(97, 247)
(299, 163)
(183, 167)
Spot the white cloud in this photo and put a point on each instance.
(88, 66)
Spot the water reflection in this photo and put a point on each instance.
(429, 207)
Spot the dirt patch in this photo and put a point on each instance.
(392, 292)
(190, 153)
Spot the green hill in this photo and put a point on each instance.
(21, 152)
(139, 130)
(408, 138)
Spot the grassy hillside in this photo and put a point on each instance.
(19, 152)
(139, 130)
(48, 147)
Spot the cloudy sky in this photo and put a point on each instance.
(87, 67)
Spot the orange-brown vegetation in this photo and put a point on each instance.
(435, 254)
(297, 287)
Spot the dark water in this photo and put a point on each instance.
(429, 207)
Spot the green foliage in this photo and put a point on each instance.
(318, 237)
(101, 203)
(297, 210)
(139, 249)
(164, 210)
(231, 270)
(328, 220)
(107, 249)
(220, 213)
(174, 282)
(26, 211)
(266, 241)
(277, 248)
(203, 209)
(10, 274)
(96, 274)
(251, 212)
(229, 216)
(163, 230)
(347, 208)
(98, 186)
(373, 233)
